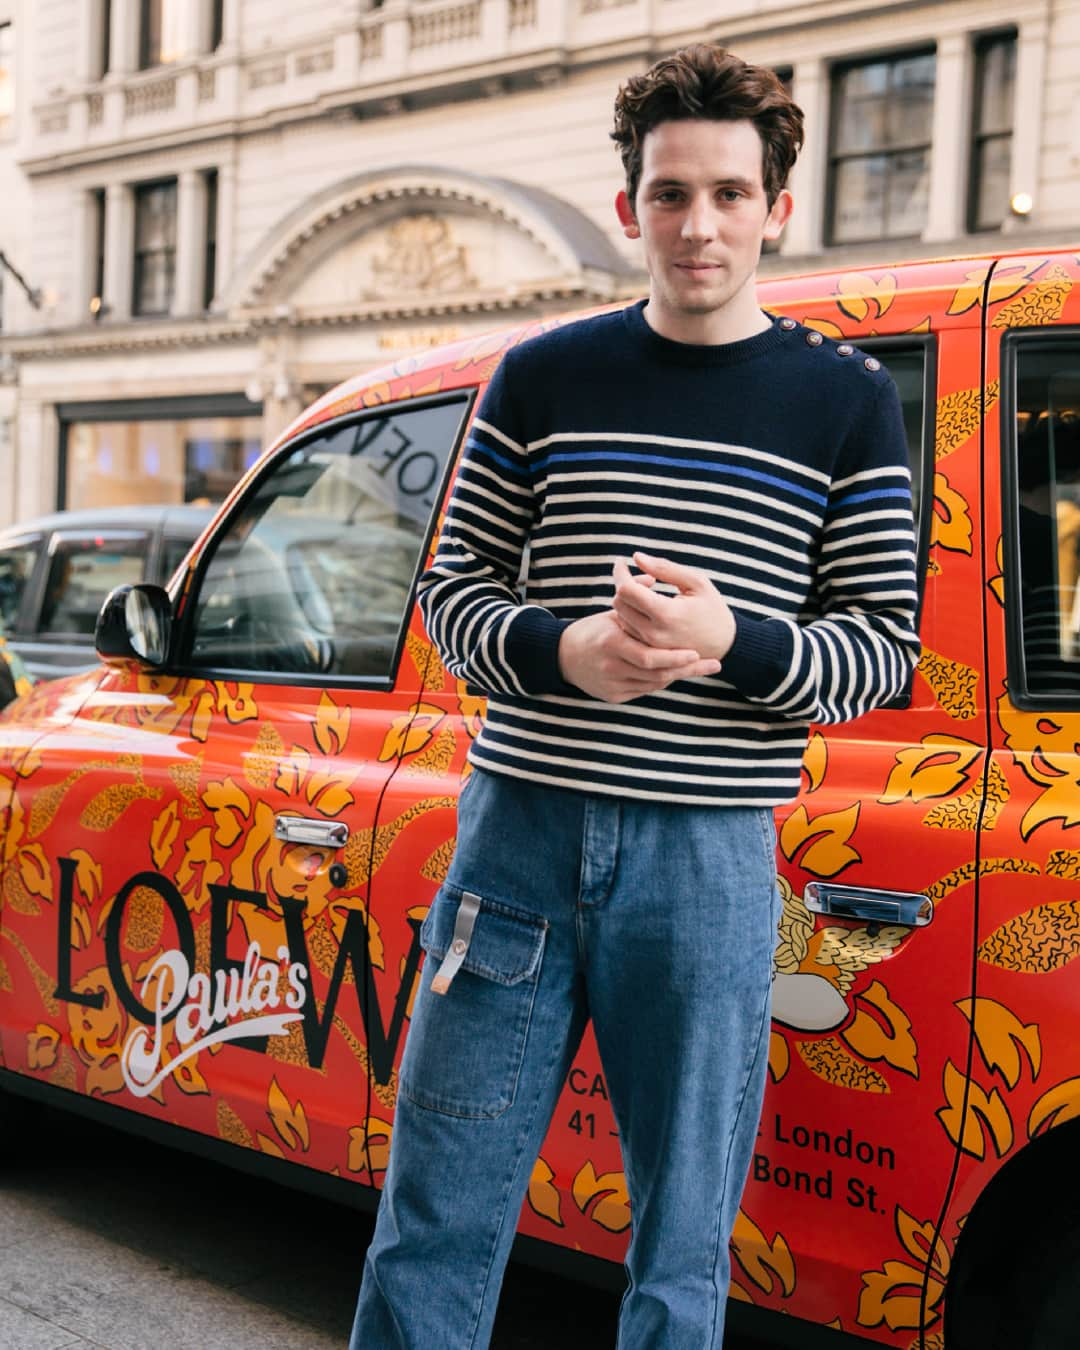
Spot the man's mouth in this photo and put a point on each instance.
(697, 266)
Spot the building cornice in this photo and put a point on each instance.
(146, 337)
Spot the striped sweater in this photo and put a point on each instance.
(777, 464)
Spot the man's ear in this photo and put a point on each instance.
(627, 219)
(779, 216)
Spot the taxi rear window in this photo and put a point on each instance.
(313, 574)
(1041, 482)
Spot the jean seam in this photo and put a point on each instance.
(754, 1058)
(523, 1135)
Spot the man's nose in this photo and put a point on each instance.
(700, 220)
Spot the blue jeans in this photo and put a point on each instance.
(658, 922)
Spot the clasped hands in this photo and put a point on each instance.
(648, 640)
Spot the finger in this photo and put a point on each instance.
(640, 600)
(685, 578)
(641, 656)
(628, 625)
(634, 686)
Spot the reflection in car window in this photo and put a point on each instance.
(82, 571)
(173, 553)
(315, 573)
(907, 367)
(16, 564)
(1047, 516)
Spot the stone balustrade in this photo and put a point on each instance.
(390, 50)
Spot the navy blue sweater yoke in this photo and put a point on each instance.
(777, 465)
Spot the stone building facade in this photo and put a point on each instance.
(220, 208)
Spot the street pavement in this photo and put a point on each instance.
(115, 1243)
(132, 1246)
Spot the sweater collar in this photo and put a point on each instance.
(661, 348)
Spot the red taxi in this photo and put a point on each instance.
(217, 848)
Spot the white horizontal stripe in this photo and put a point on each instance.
(506, 489)
(784, 462)
(618, 751)
(583, 783)
(621, 770)
(500, 436)
(850, 541)
(873, 475)
(681, 715)
(648, 485)
(666, 735)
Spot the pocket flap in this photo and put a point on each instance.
(506, 944)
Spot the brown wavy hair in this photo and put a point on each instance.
(705, 81)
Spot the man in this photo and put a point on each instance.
(720, 551)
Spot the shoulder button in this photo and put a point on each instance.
(788, 324)
(845, 349)
(814, 338)
(871, 363)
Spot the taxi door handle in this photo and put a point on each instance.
(906, 908)
(305, 830)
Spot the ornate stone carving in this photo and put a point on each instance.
(421, 255)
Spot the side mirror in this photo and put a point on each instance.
(134, 625)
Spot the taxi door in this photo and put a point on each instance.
(189, 919)
(863, 1113)
(1026, 1079)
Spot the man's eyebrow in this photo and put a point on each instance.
(731, 180)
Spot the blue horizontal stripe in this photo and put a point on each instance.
(871, 496)
(473, 444)
(721, 470)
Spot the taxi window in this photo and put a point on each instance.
(83, 569)
(1042, 481)
(16, 564)
(912, 368)
(314, 573)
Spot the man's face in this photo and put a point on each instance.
(702, 214)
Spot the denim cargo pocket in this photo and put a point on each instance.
(465, 1047)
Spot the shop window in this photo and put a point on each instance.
(1042, 584)
(132, 463)
(155, 247)
(161, 32)
(7, 78)
(879, 164)
(992, 131)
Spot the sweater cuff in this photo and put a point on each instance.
(532, 650)
(760, 657)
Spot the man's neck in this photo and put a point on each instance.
(714, 329)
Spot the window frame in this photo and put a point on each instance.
(178, 658)
(37, 541)
(835, 158)
(57, 540)
(1016, 674)
(928, 343)
(140, 192)
(983, 43)
(7, 35)
(209, 278)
